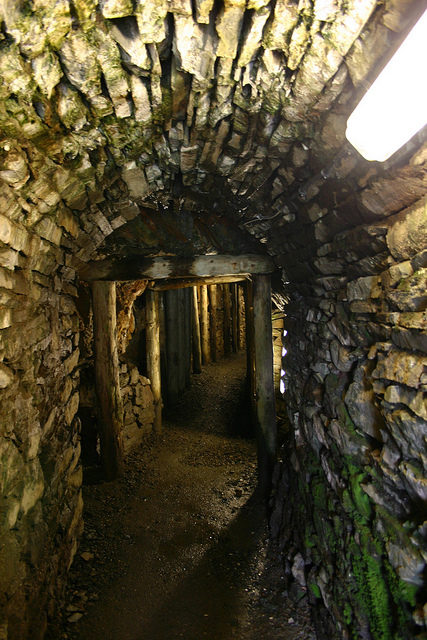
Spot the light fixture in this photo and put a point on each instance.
(395, 106)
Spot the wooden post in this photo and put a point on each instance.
(227, 323)
(238, 316)
(234, 318)
(153, 355)
(197, 349)
(185, 345)
(204, 324)
(110, 407)
(213, 321)
(250, 346)
(172, 320)
(264, 387)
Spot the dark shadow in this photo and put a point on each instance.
(208, 603)
(193, 409)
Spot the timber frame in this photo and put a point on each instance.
(203, 274)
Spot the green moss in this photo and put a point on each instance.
(361, 499)
(315, 590)
(418, 278)
(309, 543)
(347, 613)
(379, 593)
(344, 418)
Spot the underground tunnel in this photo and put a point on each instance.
(166, 165)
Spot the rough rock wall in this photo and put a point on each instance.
(104, 105)
(135, 388)
(40, 475)
(138, 406)
(351, 489)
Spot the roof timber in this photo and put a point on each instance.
(161, 268)
(182, 283)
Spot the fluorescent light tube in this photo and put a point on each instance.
(395, 106)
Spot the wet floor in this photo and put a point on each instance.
(179, 548)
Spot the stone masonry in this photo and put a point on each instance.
(112, 106)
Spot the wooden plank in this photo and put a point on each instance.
(226, 319)
(182, 283)
(264, 387)
(250, 346)
(160, 268)
(197, 348)
(110, 407)
(204, 324)
(172, 320)
(234, 318)
(238, 316)
(153, 355)
(213, 317)
(185, 347)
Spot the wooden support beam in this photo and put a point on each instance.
(153, 355)
(204, 324)
(185, 343)
(250, 346)
(234, 318)
(197, 348)
(110, 407)
(226, 298)
(213, 321)
(178, 343)
(160, 268)
(264, 387)
(183, 283)
(239, 316)
(173, 328)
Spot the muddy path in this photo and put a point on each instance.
(178, 548)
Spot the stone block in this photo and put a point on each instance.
(417, 402)
(33, 486)
(407, 234)
(411, 293)
(6, 376)
(5, 229)
(396, 273)
(407, 561)
(5, 318)
(410, 340)
(362, 288)
(135, 180)
(402, 367)
(203, 9)
(361, 404)
(116, 8)
(415, 480)
(71, 408)
(71, 362)
(49, 230)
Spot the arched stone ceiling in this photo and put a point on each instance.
(235, 108)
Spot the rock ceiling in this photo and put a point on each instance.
(234, 108)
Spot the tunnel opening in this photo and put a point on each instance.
(135, 131)
(182, 323)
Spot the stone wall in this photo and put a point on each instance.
(351, 488)
(135, 388)
(111, 107)
(41, 475)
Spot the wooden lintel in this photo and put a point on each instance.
(161, 268)
(182, 283)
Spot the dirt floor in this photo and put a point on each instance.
(178, 548)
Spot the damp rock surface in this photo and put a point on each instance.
(179, 548)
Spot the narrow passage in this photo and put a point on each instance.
(178, 548)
